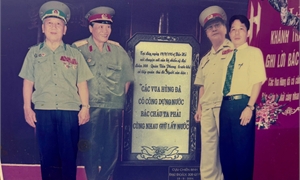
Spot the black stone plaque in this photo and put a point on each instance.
(158, 119)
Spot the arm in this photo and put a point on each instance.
(84, 114)
(247, 112)
(27, 94)
(198, 114)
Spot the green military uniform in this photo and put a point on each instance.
(55, 76)
(112, 69)
(55, 73)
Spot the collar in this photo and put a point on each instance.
(226, 44)
(243, 46)
(92, 45)
(61, 45)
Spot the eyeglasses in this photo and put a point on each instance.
(211, 27)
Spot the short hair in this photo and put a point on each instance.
(242, 18)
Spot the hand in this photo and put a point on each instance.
(198, 115)
(83, 116)
(246, 116)
(30, 117)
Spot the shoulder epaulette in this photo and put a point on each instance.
(113, 42)
(80, 42)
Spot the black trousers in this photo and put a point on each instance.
(101, 138)
(236, 141)
(57, 133)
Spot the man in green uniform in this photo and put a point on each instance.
(55, 80)
(113, 73)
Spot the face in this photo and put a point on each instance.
(100, 32)
(54, 29)
(216, 32)
(238, 33)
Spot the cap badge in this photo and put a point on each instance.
(55, 11)
(105, 17)
(210, 17)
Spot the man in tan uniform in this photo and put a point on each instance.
(209, 78)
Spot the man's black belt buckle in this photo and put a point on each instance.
(235, 97)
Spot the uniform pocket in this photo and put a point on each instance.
(113, 72)
(41, 66)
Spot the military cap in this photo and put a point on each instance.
(101, 14)
(212, 14)
(55, 9)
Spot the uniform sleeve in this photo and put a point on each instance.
(127, 66)
(257, 68)
(84, 72)
(199, 80)
(27, 70)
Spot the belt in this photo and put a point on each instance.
(235, 97)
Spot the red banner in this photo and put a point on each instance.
(274, 28)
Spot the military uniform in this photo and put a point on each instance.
(55, 75)
(210, 75)
(112, 69)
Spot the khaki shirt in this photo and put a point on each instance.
(249, 69)
(210, 74)
(112, 68)
(55, 75)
